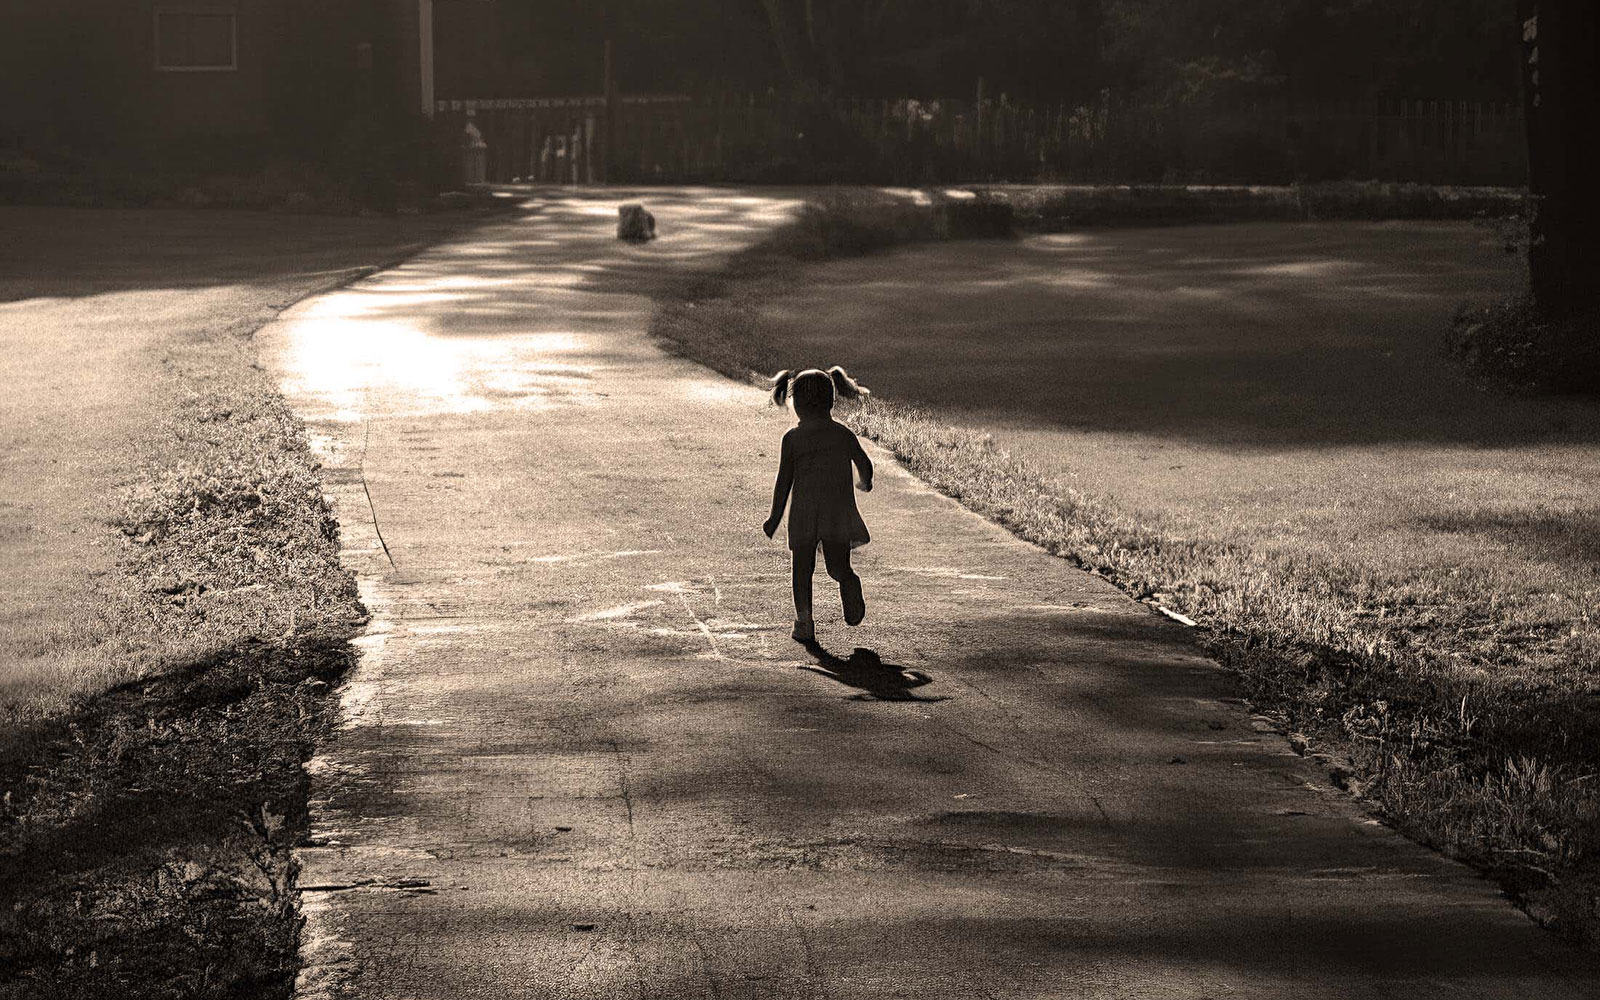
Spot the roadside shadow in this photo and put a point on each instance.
(864, 669)
(1570, 538)
(1241, 337)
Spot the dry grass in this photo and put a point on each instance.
(1423, 610)
(227, 530)
(131, 401)
(220, 533)
(146, 830)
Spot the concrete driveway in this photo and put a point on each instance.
(582, 758)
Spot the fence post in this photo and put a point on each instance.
(644, 133)
(499, 137)
(536, 146)
(718, 163)
(977, 120)
(588, 148)
(1002, 130)
(609, 141)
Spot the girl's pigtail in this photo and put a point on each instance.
(780, 386)
(846, 387)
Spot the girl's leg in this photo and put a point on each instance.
(837, 557)
(805, 565)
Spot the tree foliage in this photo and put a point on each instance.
(1182, 50)
(1189, 50)
(1039, 50)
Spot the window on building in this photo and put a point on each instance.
(196, 38)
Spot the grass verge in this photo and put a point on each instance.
(145, 833)
(1509, 343)
(145, 830)
(1047, 208)
(1411, 685)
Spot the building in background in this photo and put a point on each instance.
(223, 82)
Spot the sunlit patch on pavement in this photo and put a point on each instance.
(579, 560)
(944, 571)
(620, 611)
(1304, 268)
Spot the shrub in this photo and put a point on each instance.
(1511, 343)
(851, 222)
(976, 218)
(1385, 200)
(843, 224)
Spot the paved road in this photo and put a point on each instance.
(583, 759)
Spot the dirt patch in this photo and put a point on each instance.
(146, 840)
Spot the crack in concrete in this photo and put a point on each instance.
(813, 974)
(622, 780)
(713, 981)
(1002, 754)
(361, 469)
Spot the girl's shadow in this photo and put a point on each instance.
(878, 681)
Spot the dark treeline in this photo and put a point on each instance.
(1032, 50)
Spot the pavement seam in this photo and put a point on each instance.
(361, 469)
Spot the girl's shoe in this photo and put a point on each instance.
(804, 631)
(855, 606)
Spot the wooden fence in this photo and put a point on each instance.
(745, 138)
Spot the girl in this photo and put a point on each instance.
(815, 463)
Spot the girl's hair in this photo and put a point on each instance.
(814, 388)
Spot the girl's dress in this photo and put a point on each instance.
(822, 506)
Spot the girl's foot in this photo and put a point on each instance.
(804, 631)
(855, 606)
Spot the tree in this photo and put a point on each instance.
(1199, 50)
(820, 41)
(1044, 50)
(1418, 49)
(1187, 51)
(1561, 47)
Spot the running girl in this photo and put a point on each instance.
(815, 466)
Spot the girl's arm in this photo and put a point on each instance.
(780, 489)
(858, 455)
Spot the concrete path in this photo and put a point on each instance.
(583, 759)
